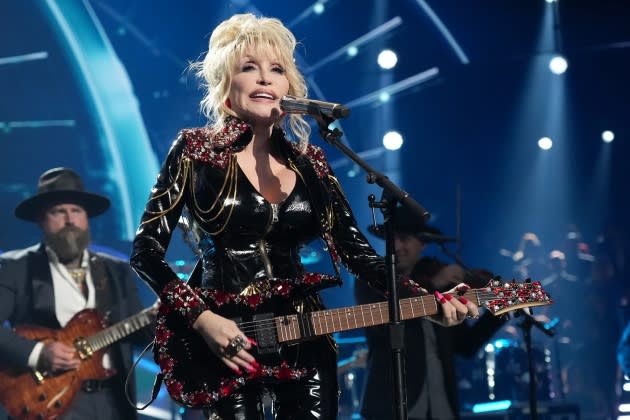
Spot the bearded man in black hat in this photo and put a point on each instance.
(429, 348)
(46, 284)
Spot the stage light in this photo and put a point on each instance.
(40, 55)
(318, 8)
(608, 136)
(624, 408)
(501, 343)
(356, 43)
(558, 64)
(550, 1)
(545, 143)
(352, 51)
(491, 406)
(392, 140)
(384, 97)
(387, 59)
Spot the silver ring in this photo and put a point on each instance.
(234, 346)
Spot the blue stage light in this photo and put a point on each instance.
(491, 406)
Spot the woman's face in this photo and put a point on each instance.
(258, 84)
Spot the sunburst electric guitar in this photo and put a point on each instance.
(36, 395)
(195, 377)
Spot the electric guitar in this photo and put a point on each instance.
(36, 395)
(195, 377)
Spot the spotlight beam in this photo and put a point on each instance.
(10, 125)
(139, 35)
(374, 33)
(444, 31)
(14, 59)
(366, 154)
(397, 87)
(305, 14)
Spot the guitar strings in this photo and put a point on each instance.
(270, 324)
(484, 296)
(405, 303)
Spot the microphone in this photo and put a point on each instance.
(432, 237)
(295, 105)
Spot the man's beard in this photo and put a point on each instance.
(68, 243)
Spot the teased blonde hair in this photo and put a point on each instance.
(229, 42)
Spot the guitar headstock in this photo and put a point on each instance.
(501, 296)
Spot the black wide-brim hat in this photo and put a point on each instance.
(59, 186)
(405, 221)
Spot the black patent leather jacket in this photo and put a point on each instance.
(201, 174)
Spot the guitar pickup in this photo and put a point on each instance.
(265, 334)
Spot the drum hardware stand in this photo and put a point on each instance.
(392, 195)
(526, 325)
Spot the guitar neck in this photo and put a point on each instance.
(120, 330)
(301, 326)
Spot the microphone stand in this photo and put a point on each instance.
(392, 195)
(528, 322)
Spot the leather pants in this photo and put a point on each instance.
(313, 397)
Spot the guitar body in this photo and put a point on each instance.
(26, 398)
(195, 377)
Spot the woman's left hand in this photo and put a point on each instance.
(455, 309)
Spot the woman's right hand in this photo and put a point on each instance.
(218, 332)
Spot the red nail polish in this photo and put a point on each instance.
(237, 370)
(440, 297)
(463, 287)
(252, 341)
(448, 297)
(463, 300)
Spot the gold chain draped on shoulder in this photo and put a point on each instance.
(186, 176)
(182, 174)
(227, 192)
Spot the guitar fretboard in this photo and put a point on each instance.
(120, 330)
(296, 327)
